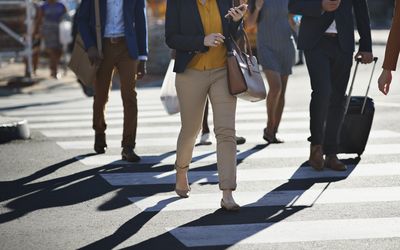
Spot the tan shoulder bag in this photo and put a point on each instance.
(80, 63)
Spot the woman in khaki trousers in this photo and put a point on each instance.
(198, 30)
(392, 52)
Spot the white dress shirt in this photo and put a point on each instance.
(115, 26)
(332, 28)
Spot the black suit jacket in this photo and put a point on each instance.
(184, 30)
(315, 22)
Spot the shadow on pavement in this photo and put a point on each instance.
(27, 197)
(40, 104)
(258, 212)
(132, 226)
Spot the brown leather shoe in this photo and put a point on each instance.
(129, 155)
(332, 162)
(316, 159)
(240, 140)
(100, 144)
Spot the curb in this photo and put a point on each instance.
(13, 128)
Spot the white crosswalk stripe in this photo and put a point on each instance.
(272, 198)
(283, 152)
(268, 174)
(288, 232)
(295, 187)
(165, 129)
(171, 141)
(40, 122)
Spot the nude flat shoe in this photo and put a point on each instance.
(183, 193)
(230, 206)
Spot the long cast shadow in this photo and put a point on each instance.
(132, 226)
(27, 197)
(72, 189)
(267, 211)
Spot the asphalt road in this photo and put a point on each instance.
(56, 194)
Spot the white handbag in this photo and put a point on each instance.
(168, 96)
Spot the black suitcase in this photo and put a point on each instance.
(359, 114)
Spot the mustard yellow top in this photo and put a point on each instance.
(215, 57)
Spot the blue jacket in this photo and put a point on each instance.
(134, 12)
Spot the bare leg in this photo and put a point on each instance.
(54, 59)
(275, 89)
(281, 103)
(35, 60)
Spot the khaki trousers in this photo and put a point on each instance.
(192, 88)
(116, 55)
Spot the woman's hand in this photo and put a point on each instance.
(384, 81)
(237, 13)
(213, 40)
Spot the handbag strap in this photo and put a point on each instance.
(247, 48)
(247, 54)
(98, 27)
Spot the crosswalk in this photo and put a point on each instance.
(283, 200)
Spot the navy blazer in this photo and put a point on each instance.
(315, 22)
(134, 12)
(184, 30)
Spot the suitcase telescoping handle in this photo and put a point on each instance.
(358, 60)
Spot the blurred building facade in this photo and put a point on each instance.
(159, 53)
(12, 14)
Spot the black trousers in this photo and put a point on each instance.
(329, 69)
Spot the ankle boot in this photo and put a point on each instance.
(128, 154)
(332, 162)
(316, 159)
(100, 144)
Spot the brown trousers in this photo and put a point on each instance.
(116, 55)
(192, 88)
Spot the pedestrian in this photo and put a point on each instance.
(205, 130)
(199, 32)
(51, 14)
(124, 36)
(327, 38)
(276, 53)
(392, 52)
(35, 40)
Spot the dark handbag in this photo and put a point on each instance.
(80, 63)
(244, 75)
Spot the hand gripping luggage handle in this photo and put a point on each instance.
(358, 60)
